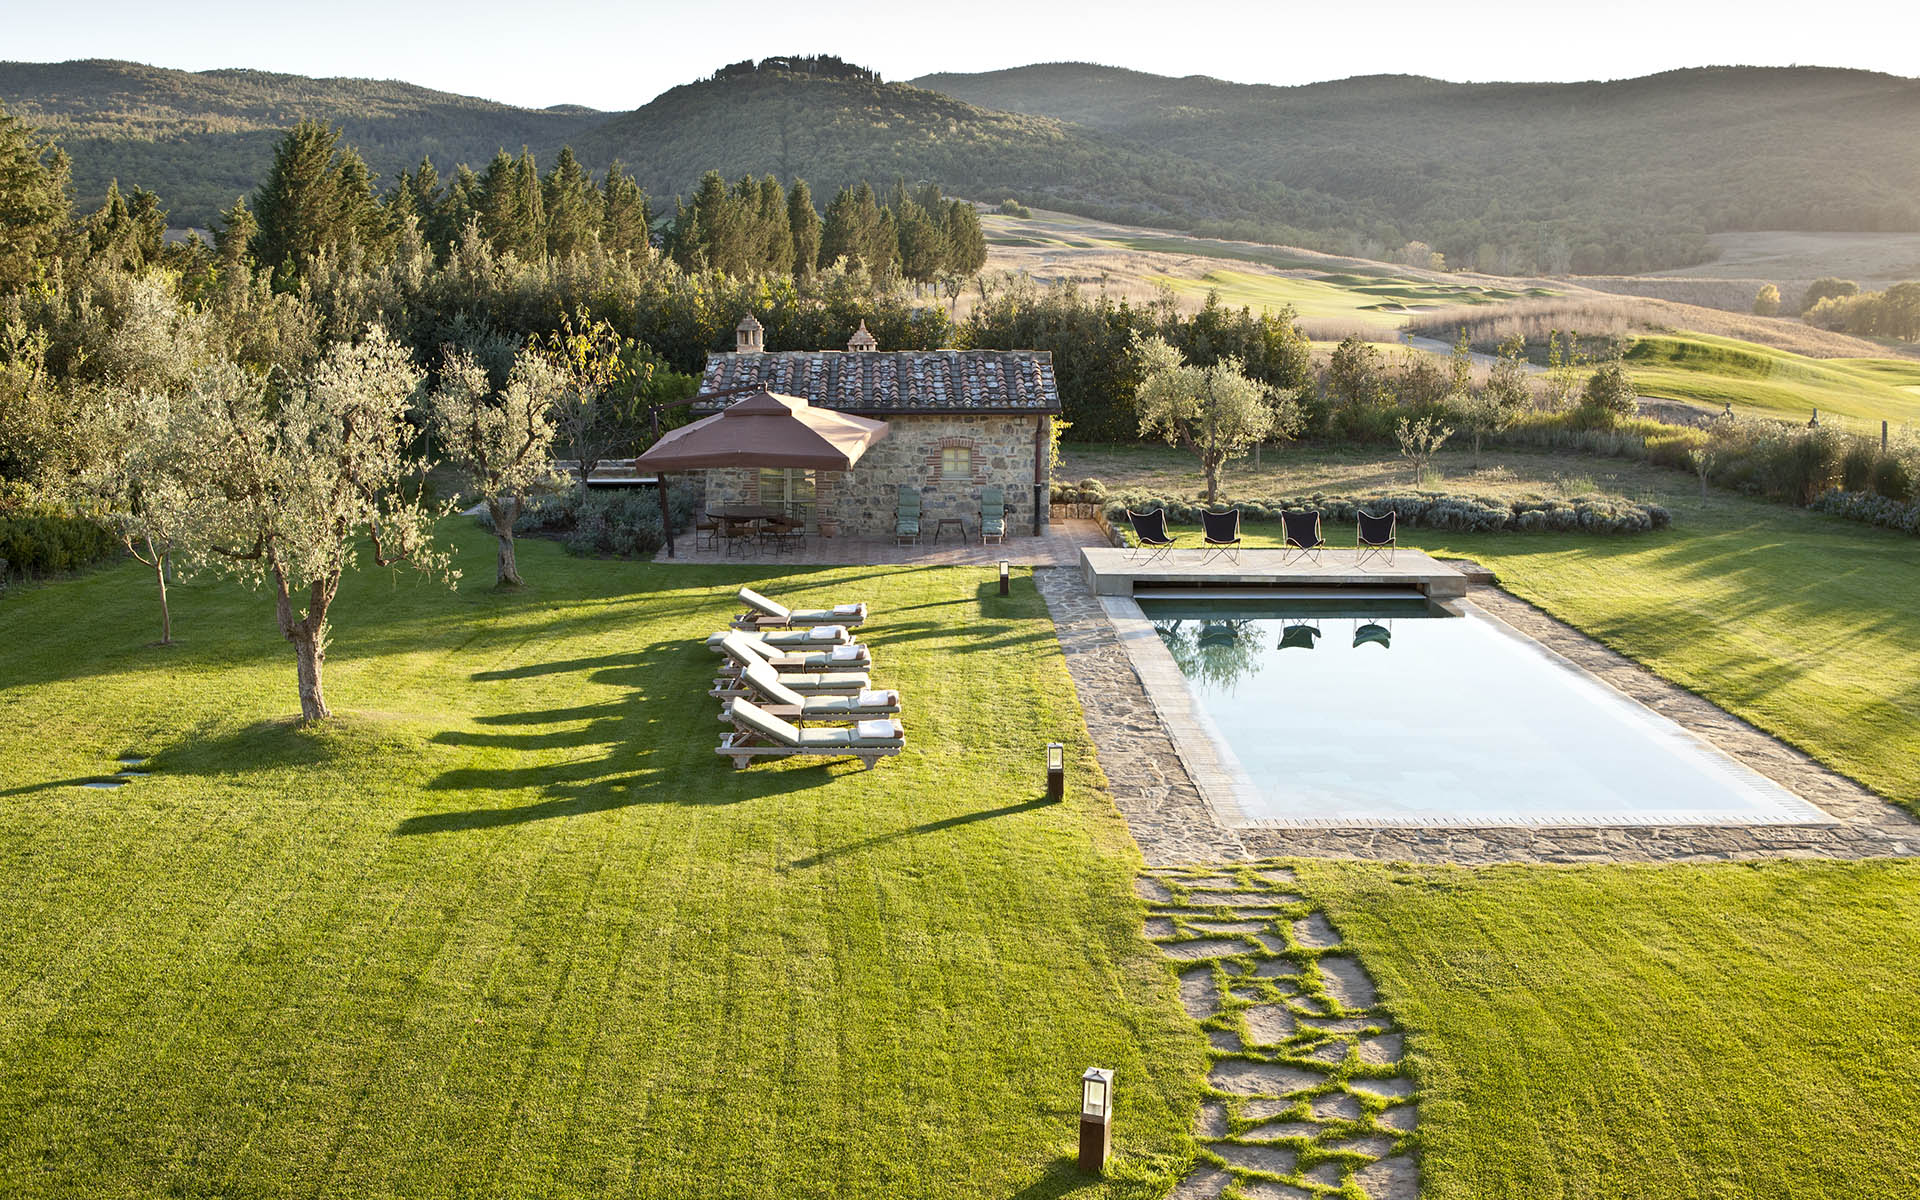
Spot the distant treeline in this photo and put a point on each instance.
(821, 66)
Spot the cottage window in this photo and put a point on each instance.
(788, 489)
(956, 462)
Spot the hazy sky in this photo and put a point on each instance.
(618, 56)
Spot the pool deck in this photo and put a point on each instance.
(1114, 572)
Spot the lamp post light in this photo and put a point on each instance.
(1003, 577)
(1096, 1120)
(1056, 771)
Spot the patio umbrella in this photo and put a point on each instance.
(765, 429)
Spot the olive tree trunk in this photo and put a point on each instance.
(159, 561)
(309, 637)
(504, 513)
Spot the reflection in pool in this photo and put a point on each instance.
(1394, 712)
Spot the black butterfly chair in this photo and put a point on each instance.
(1298, 637)
(1373, 633)
(1376, 535)
(1150, 533)
(1222, 533)
(1302, 534)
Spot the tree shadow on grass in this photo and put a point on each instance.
(926, 827)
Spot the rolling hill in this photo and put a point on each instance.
(201, 138)
(1625, 175)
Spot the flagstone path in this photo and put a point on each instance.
(1308, 1089)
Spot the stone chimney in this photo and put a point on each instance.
(749, 337)
(861, 339)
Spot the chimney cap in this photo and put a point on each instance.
(861, 339)
(747, 322)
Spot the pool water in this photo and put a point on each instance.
(1396, 712)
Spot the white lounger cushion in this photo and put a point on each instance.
(756, 601)
(852, 614)
(875, 734)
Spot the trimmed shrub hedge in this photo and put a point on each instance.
(39, 536)
(1870, 509)
(623, 523)
(1428, 510)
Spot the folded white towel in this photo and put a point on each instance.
(826, 633)
(879, 699)
(844, 654)
(878, 729)
(847, 610)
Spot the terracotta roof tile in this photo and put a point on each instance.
(894, 381)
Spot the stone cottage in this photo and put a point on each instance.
(958, 422)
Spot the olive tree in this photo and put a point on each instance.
(1216, 412)
(137, 483)
(288, 482)
(501, 441)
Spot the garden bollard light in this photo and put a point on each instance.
(1003, 577)
(1056, 771)
(1096, 1120)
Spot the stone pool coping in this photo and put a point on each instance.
(1173, 822)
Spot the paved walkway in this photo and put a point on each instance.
(1309, 1090)
(1059, 546)
(1174, 824)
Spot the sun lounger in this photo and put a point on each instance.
(742, 650)
(764, 614)
(759, 734)
(812, 637)
(769, 691)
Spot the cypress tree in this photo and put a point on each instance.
(35, 211)
(111, 235)
(572, 207)
(776, 234)
(236, 232)
(149, 224)
(840, 235)
(530, 211)
(495, 205)
(803, 224)
(626, 220)
(966, 241)
(297, 205)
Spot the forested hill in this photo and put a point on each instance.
(1617, 175)
(837, 131)
(1589, 177)
(199, 139)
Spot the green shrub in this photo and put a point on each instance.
(1427, 510)
(1892, 478)
(1856, 465)
(623, 523)
(1871, 510)
(39, 536)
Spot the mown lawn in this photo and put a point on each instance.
(1795, 621)
(1763, 381)
(510, 927)
(1718, 1032)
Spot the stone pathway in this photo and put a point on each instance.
(1308, 1093)
(1174, 824)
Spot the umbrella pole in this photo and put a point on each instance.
(666, 517)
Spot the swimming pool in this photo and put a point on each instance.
(1397, 712)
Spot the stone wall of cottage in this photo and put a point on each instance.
(864, 500)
